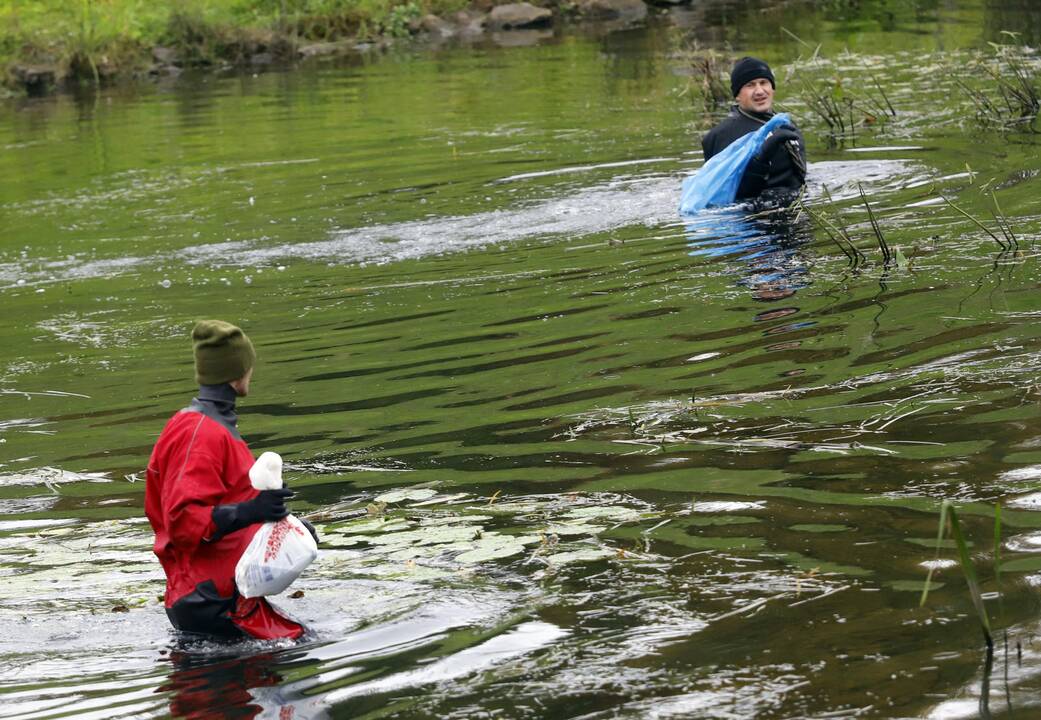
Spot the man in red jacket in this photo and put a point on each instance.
(200, 503)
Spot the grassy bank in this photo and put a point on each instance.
(95, 39)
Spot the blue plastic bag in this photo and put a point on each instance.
(716, 183)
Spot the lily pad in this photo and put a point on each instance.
(443, 500)
(490, 552)
(574, 528)
(427, 552)
(516, 507)
(576, 556)
(404, 571)
(726, 506)
(435, 521)
(424, 536)
(342, 541)
(397, 496)
(522, 539)
(371, 525)
(613, 514)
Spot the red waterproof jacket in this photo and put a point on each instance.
(197, 464)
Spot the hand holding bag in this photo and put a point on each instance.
(280, 550)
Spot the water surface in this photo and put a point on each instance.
(573, 456)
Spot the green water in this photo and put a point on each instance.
(661, 467)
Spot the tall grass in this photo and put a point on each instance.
(949, 522)
(709, 84)
(1004, 88)
(93, 38)
(1002, 224)
(834, 229)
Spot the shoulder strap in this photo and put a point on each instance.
(211, 412)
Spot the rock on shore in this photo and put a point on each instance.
(518, 15)
(36, 79)
(512, 24)
(624, 10)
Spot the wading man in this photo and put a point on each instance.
(777, 173)
(200, 502)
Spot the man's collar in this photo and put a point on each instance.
(757, 116)
(223, 393)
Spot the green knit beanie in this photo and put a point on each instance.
(222, 352)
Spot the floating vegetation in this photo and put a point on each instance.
(397, 496)
(51, 476)
(436, 540)
(1013, 97)
(843, 96)
(576, 556)
(90, 566)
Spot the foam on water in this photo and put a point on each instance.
(648, 201)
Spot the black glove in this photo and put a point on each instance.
(777, 139)
(310, 529)
(268, 506)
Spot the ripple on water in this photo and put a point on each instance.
(1025, 502)
(1027, 542)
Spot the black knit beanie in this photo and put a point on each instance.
(222, 352)
(746, 70)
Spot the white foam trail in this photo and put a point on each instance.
(582, 168)
(649, 201)
(521, 640)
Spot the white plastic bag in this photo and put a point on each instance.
(266, 473)
(279, 551)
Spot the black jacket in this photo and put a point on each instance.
(781, 175)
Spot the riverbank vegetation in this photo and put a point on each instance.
(47, 41)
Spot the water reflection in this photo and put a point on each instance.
(734, 456)
(770, 243)
(238, 687)
(770, 247)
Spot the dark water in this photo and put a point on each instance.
(655, 466)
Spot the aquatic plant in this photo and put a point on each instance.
(428, 534)
(835, 232)
(834, 229)
(709, 70)
(949, 521)
(887, 256)
(1010, 238)
(1003, 223)
(1013, 96)
(826, 100)
(86, 45)
(888, 109)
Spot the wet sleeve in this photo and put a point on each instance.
(799, 158)
(754, 179)
(190, 495)
(706, 146)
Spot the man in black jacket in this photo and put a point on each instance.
(778, 171)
